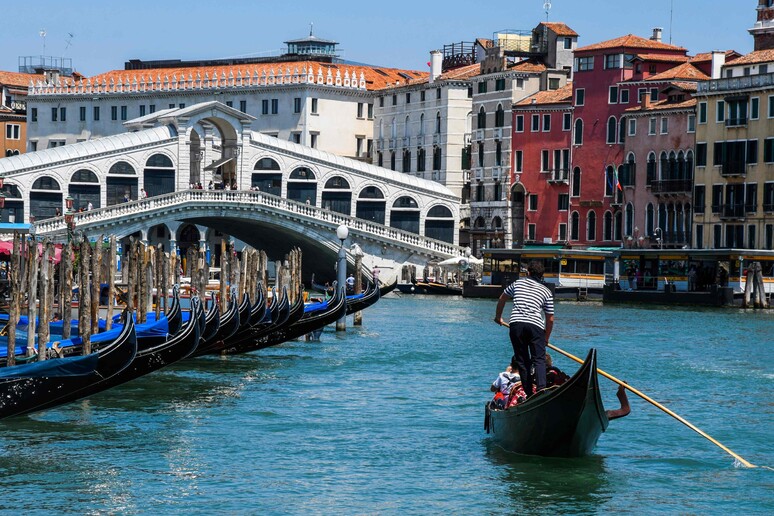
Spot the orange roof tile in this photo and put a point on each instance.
(528, 65)
(560, 29)
(759, 56)
(19, 79)
(562, 95)
(683, 71)
(666, 58)
(664, 105)
(707, 56)
(632, 41)
(485, 43)
(376, 77)
(463, 72)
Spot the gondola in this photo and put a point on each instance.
(565, 421)
(386, 289)
(362, 301)
(228, 326)
(327, 290)
(30, 387)
(147, 360)
(211, 323)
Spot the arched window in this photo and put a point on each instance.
(607, 226)
(394, 129)
(421, 159)
(481, 154)
(618, 229)
(610, 180)
(421, 124)
(672, 165)
(405, 214)
(591, 226)
(392, 160)
(381, 128)
(576, 182)
(622, 130)
(651, 170)
(436, 158)
(499, 154)
(500, 116)
(689, 165)
(680, 166)
(629, 219)
(121, 167)
(159, 175)
(407, 128)
(371, 205)
(118, 187)
(480, 223)
(628, 173)
(611, 130)
(302, 186)
(84, 189)
(337, 196)
(664, 166)
(649, 219)
(13, 210)
(481, 121)
(45, 198)
(406, 160)
(438, 123)
(575, 226)
(578, 132)
(267, 176)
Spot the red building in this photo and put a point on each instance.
(598, 136)
(542, 125)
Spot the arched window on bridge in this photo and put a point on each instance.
(121, 183)
(337, 196)
(267, 176)
(439, 224)
(13, 211)
(45, 198)
(159, 175)
(302, 186)
(84, 189)
(405, 214)
(371, 205)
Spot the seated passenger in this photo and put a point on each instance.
(502, 385)
(554, 376)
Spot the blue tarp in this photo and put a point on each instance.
(315, 307)
(70, 366)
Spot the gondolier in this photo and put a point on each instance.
(529, 332)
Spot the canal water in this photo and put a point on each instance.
(389, 419)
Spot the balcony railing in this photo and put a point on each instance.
(671, 186)
(559, 175)
(478, 135)
(732, 211)
(733, 168)
(735, 83)
(768, 207)
(735, 122)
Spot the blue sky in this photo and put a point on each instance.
(399, 33)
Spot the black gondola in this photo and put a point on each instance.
(386, 289)
(228, 326)
(328, 290)
(211, 323)
(368, 298)
(21, 395)
(565, 421)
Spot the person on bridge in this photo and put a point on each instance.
(529, 333)
(143, 193)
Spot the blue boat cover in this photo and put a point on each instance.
(314, 307)
(70, 366)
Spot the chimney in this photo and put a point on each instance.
(646, 103)
(718, 60)
(656, 34)
(436, 62)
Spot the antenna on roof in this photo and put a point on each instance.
(42, 33)
(69, 40)
(311, 29)
(547, 7)
(671, 10)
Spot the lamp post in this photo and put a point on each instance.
(342, 232)
(660, 238)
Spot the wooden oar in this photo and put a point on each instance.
(662, 407)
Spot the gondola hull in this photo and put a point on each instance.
(563, 422)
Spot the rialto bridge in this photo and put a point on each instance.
(194, 175)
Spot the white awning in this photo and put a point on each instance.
(215, 164)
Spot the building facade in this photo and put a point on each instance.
(13, 111)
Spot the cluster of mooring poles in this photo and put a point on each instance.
(754, 290)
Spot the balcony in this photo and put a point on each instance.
(478, 135)
(736, 122)
(392, 143)
(379, 144)
(437, 139)
(768, 207)
(467, 137)
(499, 173)
(406, 141)
(478, 173)
(733, 169)
(498, 133)
(559, 175)
(731, 211)
(420, 140)
(671, 186)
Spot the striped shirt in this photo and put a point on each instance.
(530, 301)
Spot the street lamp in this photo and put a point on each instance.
(69, 201)
(659, 238)
(342, 232)
(69, 218)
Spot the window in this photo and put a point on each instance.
(737, 112)
(34, 115)
(438, 123)
(181, 105)
(275, 106)
(533, 202)
(230, 103)
(394, 100)
(544, 164)
(568, 43)
(82, 113)
(381, 101)
(641, 92)
(576, 182)
(370, 111)
(314, 140)
(566, 121)
(142, 109)
(701, 154)
(171, 106)
(295, 137)
(152, 108)
(63, 114)
(562, 232)
(96, 113)
(654, 94)
(297, 105)
(720, 114)
(583, 64)
(531, 228)
(243, 106)
(717, 198)
(578, 137)
(482, 87)
(632, 127)
(768, 197)
(438, 93)
(519, 123)
(652, 125)
(691, 123)
(751, 197)
(580, 97)
(553, 83)
(664, 125)
(422, 96)
(574, 226)
(563, 203)
(771, 106)
(535, 123)
(408, 98)
(612, 96)
(114, 112)
(611, 129)
(591, 226)
(702, 112)
(54, 114)
(755, 107)
(612, 61)
(624, 96)
(499, 116)
(265, 107)
(123, 113)
(12, 131)
(436, 158)
(768, 150)
(699, 198)
(359, 109)
(500, 84)
(518, 160)
(546, 122)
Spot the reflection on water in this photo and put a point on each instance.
(550, 485)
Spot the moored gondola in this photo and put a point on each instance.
(228, 326)
(564, 421)
(362, 301)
